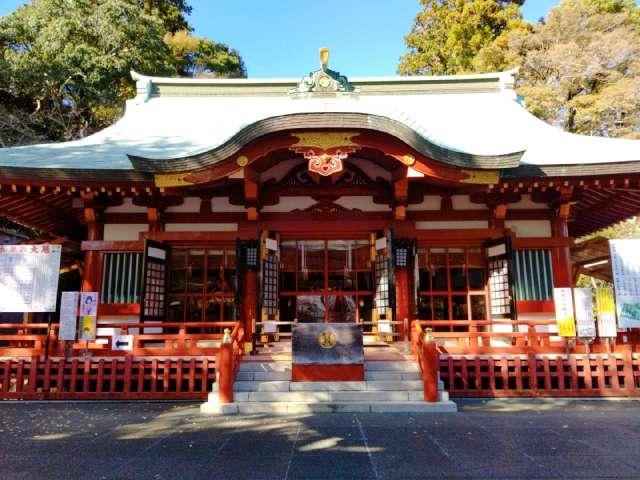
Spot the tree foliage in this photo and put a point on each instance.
(448, 34)
(64, 64)
(200, 57)
(579, 70)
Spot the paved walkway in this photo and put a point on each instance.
(507, 439)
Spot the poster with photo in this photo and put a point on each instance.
(89, 304)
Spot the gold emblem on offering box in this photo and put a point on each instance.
(327, 339)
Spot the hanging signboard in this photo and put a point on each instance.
(29, 277)
(606, 313)
(88, 315)
(68, 315)
(625, 264)
(564, 312)
(585, 319)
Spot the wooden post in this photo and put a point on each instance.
(225, 369)
(430, 367)
(402, 299)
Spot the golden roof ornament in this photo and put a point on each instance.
(324, 80)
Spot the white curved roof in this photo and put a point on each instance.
(172, 118)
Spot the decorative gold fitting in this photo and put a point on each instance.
(418, 327)
(428, 335)
(227, 336)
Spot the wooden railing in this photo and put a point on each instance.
(173, 339)
(489, 336)
(231, 351)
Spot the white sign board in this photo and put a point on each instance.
(269, 327)
(29, 277)
(625, 263)
(384, 326)
(68, 315)
(564, 312)
(122, 342)
(585, 319)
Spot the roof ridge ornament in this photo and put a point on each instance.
(324, 80)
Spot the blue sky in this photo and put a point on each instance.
(281, 38)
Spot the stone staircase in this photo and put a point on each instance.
(389, 386)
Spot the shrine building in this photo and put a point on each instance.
(387, 202)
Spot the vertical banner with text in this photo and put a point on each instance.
(625, 264)
(606, 313)
(585, 319)
(88, 315)
(564, 312)
(68, 315)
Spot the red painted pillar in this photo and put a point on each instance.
(402, 299)
(562, 274)
(225, 373)
(430, 367)
(249, 302)
(91, 273)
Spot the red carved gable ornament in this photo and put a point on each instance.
(325, 164)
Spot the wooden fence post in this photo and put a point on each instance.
(225, 369)
(430, 367)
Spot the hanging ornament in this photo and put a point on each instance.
(325, 164)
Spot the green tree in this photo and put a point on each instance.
(200, 57)
(448, 34)
(580, 70)
(64, 64)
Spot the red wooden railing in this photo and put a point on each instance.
(175, 339)
(428, 356)
(231, 351)
(575, 375)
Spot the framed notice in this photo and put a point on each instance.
(154, 281)
(564, 312)
(606, 313)
(625, 264)
(585, 320)
(29, 277)
(499, 259)
(68, 315)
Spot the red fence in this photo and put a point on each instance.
(575, 375)
(115, 378)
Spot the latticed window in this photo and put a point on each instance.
(121, 278)
(533, 275)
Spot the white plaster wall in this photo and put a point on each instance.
(201, 227)
(462, 202)
(362, 202)
(530, 228)
(279, 170)
(124, 231)
(126, 207)
(288, 204)
(190, 205)
(526, 203)
(430, 202)
(370, 169)
(221, 204)
(452, 225)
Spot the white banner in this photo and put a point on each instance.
(68, 315)
(29, 277)
(606, 313)
(625, 264)
(585, 319)
(564, 312)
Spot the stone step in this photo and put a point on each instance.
(325, 396)
(249, 366)
(284, 408)
(286, 386)
(242, 397)
(390, 366)
(395, 375)
(263, 376)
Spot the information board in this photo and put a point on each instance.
(564, 312)
(585, 319)
(625, 264)
(29, 277)
(68, 315)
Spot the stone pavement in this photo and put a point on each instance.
(496, 439)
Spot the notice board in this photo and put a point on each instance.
(29, 277)
(625, 263)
